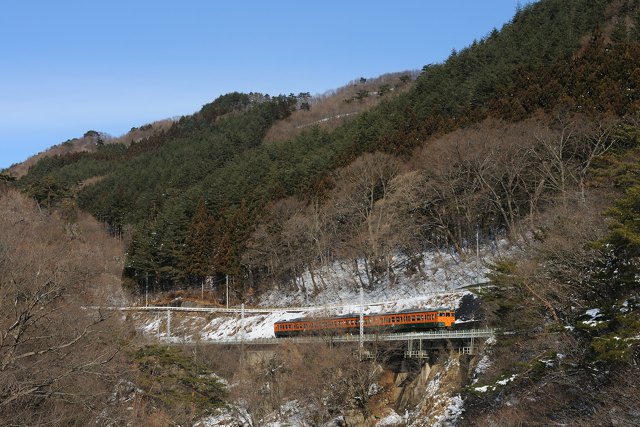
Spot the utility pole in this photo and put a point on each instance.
(227, 279)
(242, 332)
(361, 344)
(168, 323)
(146, 290)
(242, 322)
(477, 252)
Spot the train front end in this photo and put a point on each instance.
(445, 318)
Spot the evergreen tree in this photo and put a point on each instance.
(197, 260)
(141, 268)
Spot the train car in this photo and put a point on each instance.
(405, 321)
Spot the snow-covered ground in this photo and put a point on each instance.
(336, 292)
(339, 283)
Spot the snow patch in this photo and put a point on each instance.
(438, 272)
(483, 389)
(392, 419)
(507, 380)
(503, 382)
(593, 315)
(227, 416)
(481, 368)
(452, 413)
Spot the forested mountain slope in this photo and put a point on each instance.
(207, 197)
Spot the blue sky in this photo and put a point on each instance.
(70, 66)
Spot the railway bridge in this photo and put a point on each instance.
(418, 344)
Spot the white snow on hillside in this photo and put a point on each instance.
(439, 272)
(438, 283)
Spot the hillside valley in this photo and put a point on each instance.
(502, 183)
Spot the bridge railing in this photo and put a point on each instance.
(432, 335)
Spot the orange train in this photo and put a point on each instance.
(405, 321)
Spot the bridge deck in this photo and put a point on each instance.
(433, 335)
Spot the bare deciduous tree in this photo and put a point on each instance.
(56, 357)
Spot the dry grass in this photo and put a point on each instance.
(333, 107)
(89, 144)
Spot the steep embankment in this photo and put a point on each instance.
(58, 360)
